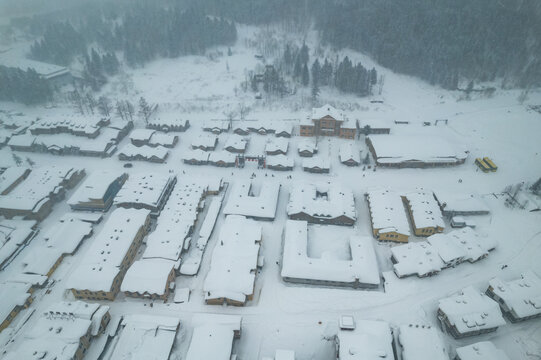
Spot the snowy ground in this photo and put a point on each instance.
(298, 317)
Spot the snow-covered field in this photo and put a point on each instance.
(303, 318)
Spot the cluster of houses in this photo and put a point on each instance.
(371, 339)
(32, 194)
(439, 252)
(391, 213)
(471, 313)
(83, 136)
(148, 145)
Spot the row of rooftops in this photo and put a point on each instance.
(440, 251)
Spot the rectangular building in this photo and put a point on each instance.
(388, 216)
(243, 200)
(520, 299)
(231, 278)
(146, 191)
(469, 313)
(425, 214)
(414, 151)
(100, 273)
(322, 204)
(297, 266)
(97, 191)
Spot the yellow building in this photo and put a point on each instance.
(424, 212)
(388, 216)
(113, 250)
(14, 298)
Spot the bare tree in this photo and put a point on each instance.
(104, 106)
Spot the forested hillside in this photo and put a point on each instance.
(440, 41)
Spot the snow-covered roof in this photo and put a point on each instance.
(144, 151)
(143, 188)
(484, 350)
(204, 140)
(148, 276)
(370, 340)
(79, 310)
(109, 247)
(22, 140)
(164, 119)
(234, 260)
(387, 212)
(308, 145)
(317, 161)
(283, 127)
(13, 234)
(12, 294)
(52, 338)
(421, 342)
(280, 160)
(236, 142)
(37, 188)
(46, 70)
(159, 138)
(425, 210)
(416, 259)
(197, 155)
(95, 187)
(175, 222)
(349, 152)
(327, 110)
(461, 204)
(213, 336)
(143, 135)
(297, 264)
(87, 125)
(243, 201)
(11, 175)
(471, 311)
(222, 125)
(145, 337)
(521, 296)
(404, 148)
(225, 156)
(277, 144)
(462, 245)
(337, 201)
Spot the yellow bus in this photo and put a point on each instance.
(482, 165)
(490, 164)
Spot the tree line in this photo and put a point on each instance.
(22, 86)
(439, 41)
(142, 32)
(343, 75)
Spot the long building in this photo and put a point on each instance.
(425, 214)
(388, 216)
(414, 151)
(35, 196)
(322, 204)
(328, 121)
(113, 250)
(98, 191)
(231, 278)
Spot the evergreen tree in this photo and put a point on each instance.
(305, 77)
(297, 69)
(144, 109)
(304, 54)
(316, 73)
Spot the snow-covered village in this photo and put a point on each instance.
(270, 180)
